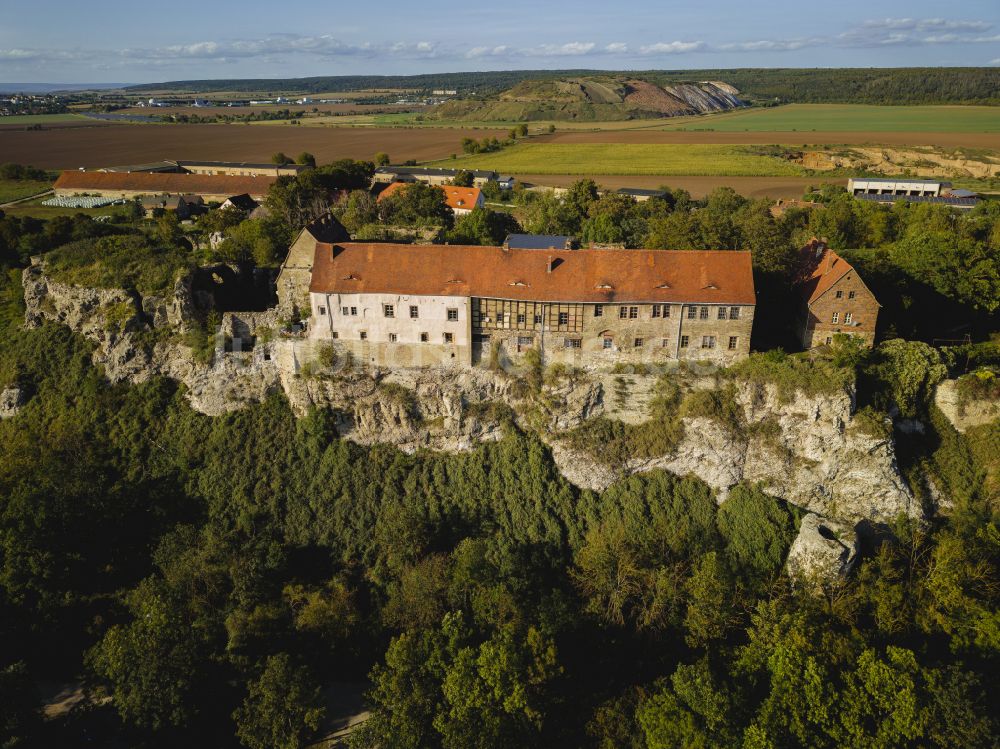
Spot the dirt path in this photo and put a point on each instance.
(25, 200)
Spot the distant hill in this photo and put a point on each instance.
(594, 98)
(758, 85)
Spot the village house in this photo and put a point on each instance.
(450, 305)
(127, 185)
(242, 203)
(296, 271)
(461, 200)
(835, 299)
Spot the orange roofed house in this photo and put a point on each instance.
(432, 305)
(461, 200)
(835, 299)
(211, 187)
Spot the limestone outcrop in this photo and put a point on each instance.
(964, 414)
(808, 449)
(823, 552)
(12, 400)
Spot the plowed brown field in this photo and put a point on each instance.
(111, 145)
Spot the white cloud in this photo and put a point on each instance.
(672, 48)
(616, 48)
(927, 24)
(894, 32)
(771, 45)
(501, 50)
(570, 49)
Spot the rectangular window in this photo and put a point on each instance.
(851, 294)
(708, 341)
(449, 337)
(538, 319)
(732, 342)
(839, 294)
(623, 313)
(656, 310)
(344, 311)
(525, 340)
(452, 314)
(392, 338)
(848, 317)
(322, 310)
(734, 313)
(665, 342)
(388, 310)
(633, 313)
(692, 313)
(829, 340)
(335, 335)
(364, 335)
(637, 343)
(564, 318)
(521, 319)
(684, 341)
(598, 310)
(608, 343)
(703, 313)
(424, 338)
(573, 343)
(354, 311)
(836, 317)
(722, 313)
(414, 312)
(666, 310)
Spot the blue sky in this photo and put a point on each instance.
(69, 41)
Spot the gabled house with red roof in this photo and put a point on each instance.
(461, 200)
(400, 305)
(835, 299)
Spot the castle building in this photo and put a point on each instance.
(440, 305)
(835, 299)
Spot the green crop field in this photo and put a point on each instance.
(630, 158)
(13, 189)
(40, 119)
(851, 118)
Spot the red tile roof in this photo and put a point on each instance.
(820, 269)
(595, 276)
(456, 197)
(160, 182)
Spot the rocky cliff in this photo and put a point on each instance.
(808, 449)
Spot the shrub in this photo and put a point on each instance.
(793, 373)
(758, 530)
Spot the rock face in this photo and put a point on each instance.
(12, 400)
(964, 415)
(823, 552)
(806, 450)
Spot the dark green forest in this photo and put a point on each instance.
(226, 580)
(765, 85)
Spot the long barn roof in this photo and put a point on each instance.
(594, 276)
(160, 182)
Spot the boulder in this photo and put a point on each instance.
(823, 552)
(12, 400)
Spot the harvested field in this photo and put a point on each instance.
(110, 145)
(944, 139)
(631, 158)
(751, 187)
(341, 109)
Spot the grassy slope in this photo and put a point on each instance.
(629, 158)
(40, 119)
(17, 189)
(852, 118)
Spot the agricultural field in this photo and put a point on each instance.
(40, 119)
(629, 159)
(18, 189)
(109, 145)
(851, 118)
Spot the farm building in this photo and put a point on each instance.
(138, 184)
(434, 305)
(835, 299)
(241, 169)
(433, 176)
(243, 203)
(641, 194)
(901, 188)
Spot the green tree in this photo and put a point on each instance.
(417, 204)
(483, 227)
(382, 159)
(305, 159)
(280, 159)
(283, 707)
(758, 531)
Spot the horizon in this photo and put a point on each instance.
(305, 38)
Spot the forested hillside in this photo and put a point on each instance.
(760, 85)
(233, 580)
